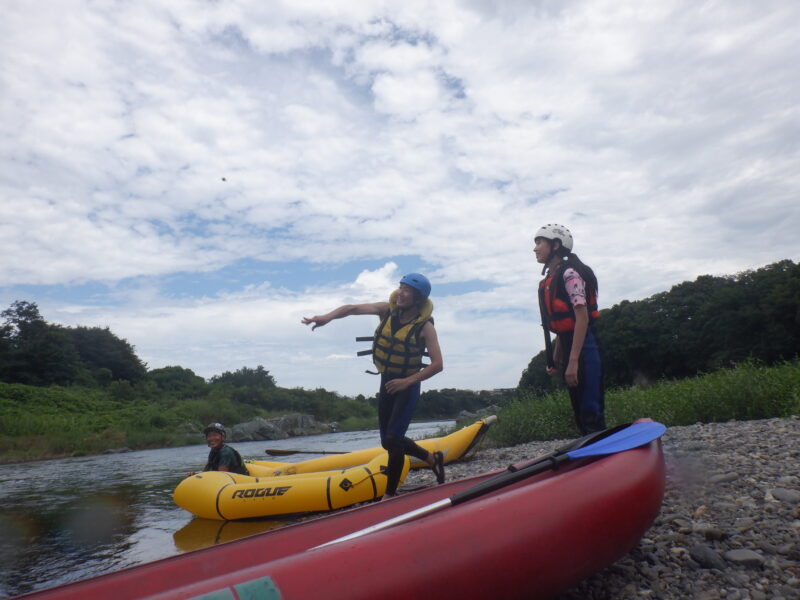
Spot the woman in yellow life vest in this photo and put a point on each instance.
(405, 331)
(568, 303)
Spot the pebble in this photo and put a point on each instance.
(729, 526)
(707, 558)
(744, 557)
(784, 495)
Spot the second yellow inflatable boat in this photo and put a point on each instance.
(454, 446)
(223, 495)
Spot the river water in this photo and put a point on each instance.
(69, 519)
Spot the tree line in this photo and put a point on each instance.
(450, 403)
(696, 327)
(37, 353)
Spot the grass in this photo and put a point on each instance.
(748, 391)
(38, 423)
(358, 423)
(54, 422)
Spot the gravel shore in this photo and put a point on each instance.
(729, 526)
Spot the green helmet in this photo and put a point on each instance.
(218, 427)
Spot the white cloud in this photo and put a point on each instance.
(143, 140)
(407, 95)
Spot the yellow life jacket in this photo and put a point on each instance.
(400, 353)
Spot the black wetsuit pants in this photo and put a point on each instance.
(588, 398)
(394, 417)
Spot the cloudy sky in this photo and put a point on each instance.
(199, 175)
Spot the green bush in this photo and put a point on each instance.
(358, 423)
(748, 391)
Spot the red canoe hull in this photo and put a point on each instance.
(534, 539)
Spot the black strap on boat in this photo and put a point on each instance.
(554, 464)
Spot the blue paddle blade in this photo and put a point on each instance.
(634, 436)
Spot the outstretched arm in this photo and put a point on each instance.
(374, 308)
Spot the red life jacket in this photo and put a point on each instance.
(555, 305)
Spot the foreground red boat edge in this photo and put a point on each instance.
(533, 539)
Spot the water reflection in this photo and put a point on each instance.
(69, 519)
(202, 533)
(97, 521)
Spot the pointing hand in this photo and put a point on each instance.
(317, 321)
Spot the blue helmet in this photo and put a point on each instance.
(418, 282)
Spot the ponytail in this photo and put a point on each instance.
(585, 271)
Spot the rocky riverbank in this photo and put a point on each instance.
(278, 428)
(729, 527)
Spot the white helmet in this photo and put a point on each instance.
(552, 231)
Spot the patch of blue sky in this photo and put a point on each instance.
(231, 278)
(194, 225)
(454, 84)
(90, 293)
(544, 195)
(411, 36)
(405, 264)
(296, 276)
(501, 184)
(231, 38)
(162, 228)
(523, 314)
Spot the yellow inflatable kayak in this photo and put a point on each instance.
(225, 496)
(454, 446)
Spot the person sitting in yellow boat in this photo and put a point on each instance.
(405, 331)
(221, 457)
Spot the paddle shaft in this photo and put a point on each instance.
(508, 478)
(281, 452)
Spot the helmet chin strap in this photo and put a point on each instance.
(403, 313)
(549, 257)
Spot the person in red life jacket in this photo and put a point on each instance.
(568, 303)
(405, 331)
(221, 457)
